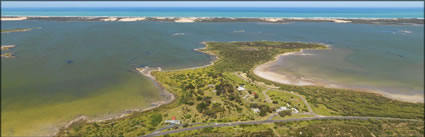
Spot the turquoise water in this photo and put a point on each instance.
(66, 69)
(221, 12)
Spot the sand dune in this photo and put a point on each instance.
(131, 19)
(109, 19)
(12, 18)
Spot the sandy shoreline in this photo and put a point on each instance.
(145, 71)
(400, 21)
(263, 71)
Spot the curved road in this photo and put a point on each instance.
(272, 121)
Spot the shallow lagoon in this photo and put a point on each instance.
(66, 69)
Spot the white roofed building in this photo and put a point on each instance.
(281, 109)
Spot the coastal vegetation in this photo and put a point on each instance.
(323, 128)
(346, 102)
(216, 94)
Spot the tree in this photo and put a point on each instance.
(185, 125)
(253, 105)
(155, 119)
(231, 97)
(285, 113)
(187, 116)
(200, 92)
(190, 103)
(201, 107)
(263, 113)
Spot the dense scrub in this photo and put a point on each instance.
(243, 56)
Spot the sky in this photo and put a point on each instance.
(341, 4)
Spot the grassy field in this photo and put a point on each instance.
(210, 94)
(281, 98)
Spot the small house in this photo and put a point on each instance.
(173, 121)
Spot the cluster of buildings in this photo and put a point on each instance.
(294, 110)
(283, 108)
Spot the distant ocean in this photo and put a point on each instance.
(221, 12)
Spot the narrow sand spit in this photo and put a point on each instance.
(12, 18)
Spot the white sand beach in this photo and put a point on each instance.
(13, 18)
(131, 19)
(110, 19)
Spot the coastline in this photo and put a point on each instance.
(212, 62)
(169, 97)
(263, 72)
(144, 71)
(380, 21)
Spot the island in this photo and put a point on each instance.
(16, 30)
(7, 55)
(225, 98)
(7, 47)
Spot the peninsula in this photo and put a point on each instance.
(226, 98)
